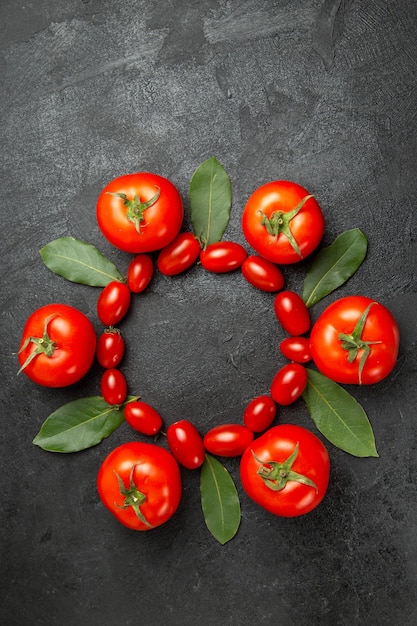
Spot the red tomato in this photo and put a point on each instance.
(260, 413)
(140, 212)
(296, 349)
(286, 470)
(292, 313)
(143, 417)
(282, 222)
(139, 273)
(179, 255)
(289, 383)
(262, 274)
(58, 346)
(355, 340)
(110, 348)
(113, 386)
(113, 303)
(186, 444)
(228, 440)
(223, 256)
(140, 484)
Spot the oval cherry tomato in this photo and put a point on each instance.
(355, 341)
(143, 417)
(186, 444)
(260, 413)
(58, 345)
(113, 303)
(228, 440)
(289, 383)
(223, 256)
(179, 255)
(140, 212)
(110, 348)
(139, 273)
(282, 222)
(262, 274)
(292, 313)
(296, 349)
(286, 470)
(113, 386)
(140, 484)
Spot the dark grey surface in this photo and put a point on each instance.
(322, 93)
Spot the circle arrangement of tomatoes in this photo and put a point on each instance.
(58, 345)
(286, 470)
(140, 212)
(283, 222)
(355, 340)
(140, 484)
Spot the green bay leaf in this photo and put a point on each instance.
(334, 265)
(210, 195)
(219, 500)
(79, 262)
(339, 416)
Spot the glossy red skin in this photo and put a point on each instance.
(163, 219)
(113, 303)
(143, 417)
(228, 440)
(292, 313)
(186, 444)
(113, 386)
(262, 274)
(179, 255)
(260, 413)
(156, 474)
(296, 349)
(139, 273)
(110, 348)
(289, 383)
(222, 257)
(277, 444)
(341, 317)
(307, 226)
(75, 340)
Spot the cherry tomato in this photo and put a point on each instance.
(58, 345)
(140, 212)
(140, 484)
(139, 273)
(186, 444)
(289, 383)
(223, 256)
(113, 386)
(110, 348)
(113, 303)
(355, 341)
(292, 313)
(143, 417)
(262, 274)
(179, 255)
(286, 470)
(260, 413)
(282, 222)
(228, 440)
(296, 349)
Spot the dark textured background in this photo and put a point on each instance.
(319, 92)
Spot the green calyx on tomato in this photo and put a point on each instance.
(279, 222)
(136, 208)
(353, 343)
(133, 497)
(44, 344)
(276, 475)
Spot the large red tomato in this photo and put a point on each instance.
(140, 212)
(283, 222)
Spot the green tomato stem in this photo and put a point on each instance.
(276, 475)
(279, 222)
